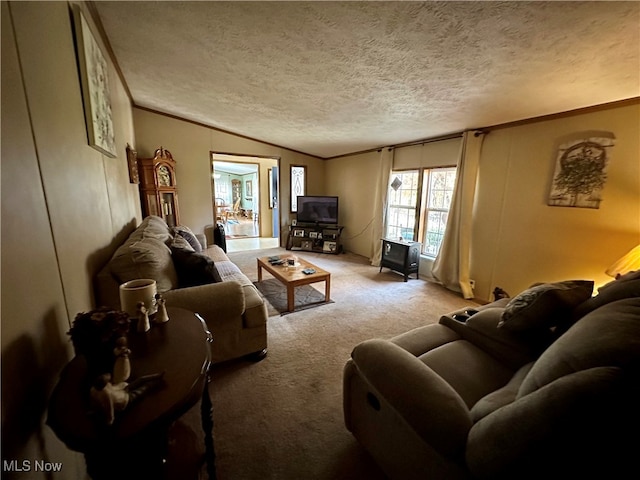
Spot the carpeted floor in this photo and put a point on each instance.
(281, 418)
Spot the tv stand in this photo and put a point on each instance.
(312, 237)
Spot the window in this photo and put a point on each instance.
(223, 188)
(298, 184)
(439, 184)
(418, 206)
(403, 200)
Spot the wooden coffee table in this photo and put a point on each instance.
(292, 277)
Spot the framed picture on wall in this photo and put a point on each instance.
(94, 78)
(248, 189)
(132, 163)
(581, 172)
(270, 179)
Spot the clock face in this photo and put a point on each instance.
(164, 177)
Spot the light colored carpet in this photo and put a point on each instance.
(281, 418)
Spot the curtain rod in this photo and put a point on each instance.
(427, 140)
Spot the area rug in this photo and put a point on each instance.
(275, 293)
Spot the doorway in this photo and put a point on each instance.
(240, 200)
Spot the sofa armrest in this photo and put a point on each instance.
(481, 329)
(217, 303)
(420, 396)
(201, 237)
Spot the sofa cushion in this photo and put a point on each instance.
(501, 397)
(577, 426)
(149, 257)
(189, 236)
(194, 268)
(154, 227)
(608, 336)
(544, 305)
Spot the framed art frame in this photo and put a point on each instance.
(298, 177)
(270, 178)
(132, 163)
(248, 189)
(94, 78)
(581, 172)
(298, 233)
(329, 247)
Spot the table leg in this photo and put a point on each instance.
(206, 413)
(327, 289)
(291, 303)
(259, 272)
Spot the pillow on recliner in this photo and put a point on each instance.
(544, 305)
(194, 268)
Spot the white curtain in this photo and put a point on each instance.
(385, 164)
(451, 266)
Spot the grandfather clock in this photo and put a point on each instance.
(158, 190)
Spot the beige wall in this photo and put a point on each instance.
(518, 239)
(63, 203)
(191, 145)
(353, 179)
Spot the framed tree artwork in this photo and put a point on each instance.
(580, 173)
(94, 78)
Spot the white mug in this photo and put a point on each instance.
(139, 290)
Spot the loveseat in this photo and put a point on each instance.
(189, 276)
(542, 385)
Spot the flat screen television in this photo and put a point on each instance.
(318, 209)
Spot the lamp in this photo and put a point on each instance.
(139, 290)
(628, 263)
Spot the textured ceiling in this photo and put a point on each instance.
(329, 78)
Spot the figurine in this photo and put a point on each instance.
(499, 293)
(122, 365)
(143, 318)
(109, 398)
(161, 313)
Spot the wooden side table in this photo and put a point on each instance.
(136, 445)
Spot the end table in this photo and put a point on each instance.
(136, 445)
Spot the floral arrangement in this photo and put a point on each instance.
(94, 334)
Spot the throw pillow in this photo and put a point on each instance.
(194, 268)
(544, 305)
(180, 243)
(189, 236)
